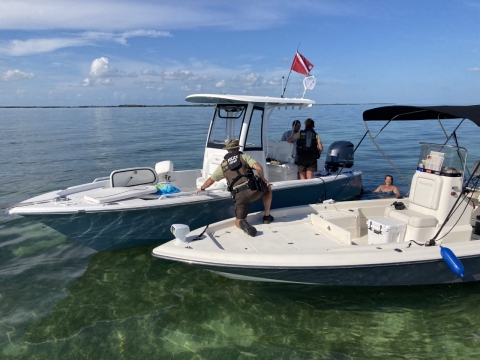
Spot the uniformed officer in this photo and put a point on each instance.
(237, 169)
(309, 148)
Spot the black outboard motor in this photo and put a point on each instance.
(339, 154)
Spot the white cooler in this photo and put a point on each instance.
(383, 230)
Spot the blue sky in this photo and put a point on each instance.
(111, 52)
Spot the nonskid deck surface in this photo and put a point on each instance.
(295, 235)
(293, 240)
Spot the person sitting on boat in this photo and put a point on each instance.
(309, 148)
(243, 184)
(388, 188)
(296, 126)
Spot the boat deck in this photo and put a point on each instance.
(303, 236)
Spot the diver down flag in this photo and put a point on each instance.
(301, 64)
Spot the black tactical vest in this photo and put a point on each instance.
(235, 169)
(307, 144)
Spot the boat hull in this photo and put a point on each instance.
(112, 230)
(397, 274)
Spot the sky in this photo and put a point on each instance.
(153, 52)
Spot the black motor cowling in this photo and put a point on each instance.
(339, 154)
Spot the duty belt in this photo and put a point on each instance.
(240, 188)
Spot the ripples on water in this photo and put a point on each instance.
(60, 300)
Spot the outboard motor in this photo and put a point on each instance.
(339, 154)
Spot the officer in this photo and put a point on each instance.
(309, 148)
(244, 186)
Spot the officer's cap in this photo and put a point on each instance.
(231, 144)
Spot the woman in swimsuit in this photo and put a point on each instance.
(388, 188)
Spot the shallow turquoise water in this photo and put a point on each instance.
(59, 300)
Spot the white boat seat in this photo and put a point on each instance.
(289, 168)
(282, 151)
(107, 195)
(410, 217)
(222, 184)
(164, 170)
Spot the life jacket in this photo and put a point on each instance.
(235, 169)
(307, 143)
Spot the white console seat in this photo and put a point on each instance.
(411, 218)
(284, 153)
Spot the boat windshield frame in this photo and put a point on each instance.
(442, 159)
(237, 121)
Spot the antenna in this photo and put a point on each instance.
(298, 47)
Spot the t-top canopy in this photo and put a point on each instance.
(400, 113)
(242, 99)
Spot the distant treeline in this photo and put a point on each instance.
(102, 106)
(135, 105)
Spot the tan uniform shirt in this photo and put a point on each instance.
(218, 173)
(297, 136)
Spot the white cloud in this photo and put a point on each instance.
(177, 75)
(181, 14)
(250, 80)
(101, 68)
(15, 75)
(37, 46)
(149, 84)
(87, 82)
(89, 38)
(107, 82)
(185, 88)
(220, 84)
(122, 38)
(186, 75)
(474, 69)
(275, 81)
(150, 72)
(119, 95)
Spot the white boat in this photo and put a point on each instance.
(126, 209)
(427, 238)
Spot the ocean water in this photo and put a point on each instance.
(59, 300)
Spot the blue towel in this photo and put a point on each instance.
(166, 189)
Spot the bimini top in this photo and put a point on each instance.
(400, 113)
(242, 99)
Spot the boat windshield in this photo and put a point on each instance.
(445, 160)
(228, 122)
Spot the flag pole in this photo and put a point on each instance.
(288, 77)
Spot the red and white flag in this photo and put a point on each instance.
(301, 64)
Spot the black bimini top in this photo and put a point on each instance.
(401, 113)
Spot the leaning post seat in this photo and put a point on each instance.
(164, 170)
(431, 199)
(283, 152)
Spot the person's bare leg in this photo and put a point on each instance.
(237, 223)
(267, 201)
(309, 174)
(303, 175)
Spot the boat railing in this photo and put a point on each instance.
(101, 179)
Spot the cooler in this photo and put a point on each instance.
(383, 230)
